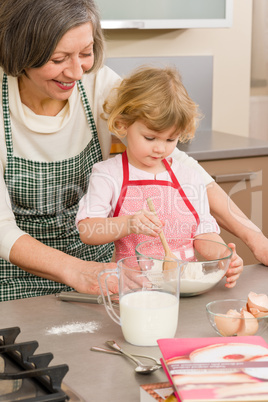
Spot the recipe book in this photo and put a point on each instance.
(217, 369)
(157, 392)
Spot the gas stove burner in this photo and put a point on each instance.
(27, 377)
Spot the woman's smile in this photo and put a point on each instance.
(45, 90)
(65, 85)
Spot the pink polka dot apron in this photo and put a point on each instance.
(171, 204)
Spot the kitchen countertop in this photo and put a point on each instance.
(210, 145)
(98, 376)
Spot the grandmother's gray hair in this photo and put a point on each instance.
(31, 29)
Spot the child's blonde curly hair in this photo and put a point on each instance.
(155, 96)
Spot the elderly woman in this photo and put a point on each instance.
(53, 87)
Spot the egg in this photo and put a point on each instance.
(257, 313)
(228, 324)
(249, 324)
(244, 322)
(257, 301)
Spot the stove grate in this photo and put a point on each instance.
(32, 366)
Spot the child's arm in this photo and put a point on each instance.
(95, 231)
(236, 264)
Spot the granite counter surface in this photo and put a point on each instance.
(69, 329)
(214, 145)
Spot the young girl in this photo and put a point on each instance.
(153, 110)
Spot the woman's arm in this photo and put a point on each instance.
(231, 218)
(228, 214)
(38, 259)
(34, 257)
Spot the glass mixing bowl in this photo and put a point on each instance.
(206, 261)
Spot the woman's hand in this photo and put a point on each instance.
(85, 278)
(50, 263)
(235, 268)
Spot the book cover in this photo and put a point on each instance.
(157, 392)
(217, 369)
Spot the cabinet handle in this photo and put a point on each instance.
(224, 178)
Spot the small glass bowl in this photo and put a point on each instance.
(231, 325)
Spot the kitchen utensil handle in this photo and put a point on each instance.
(114, 352)
(79, 297)
(229, 177)
(161, 234)
(98, 349)
(115, 346)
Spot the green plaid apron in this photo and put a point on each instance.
(45, 197)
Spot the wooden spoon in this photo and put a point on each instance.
(168, 252)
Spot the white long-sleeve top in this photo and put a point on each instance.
(106, 182)
(53, 138)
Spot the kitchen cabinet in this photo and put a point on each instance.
(245, 181)
(165, 14)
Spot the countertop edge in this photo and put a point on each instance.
(210, 145)
(227, 154)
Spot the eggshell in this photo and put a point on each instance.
(259, 301)
(257, 313)
(249, 325)
(229, 323)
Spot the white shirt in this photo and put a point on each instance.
(106, 182)
(52, 138)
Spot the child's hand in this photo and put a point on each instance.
(235, 268)
(145, 222)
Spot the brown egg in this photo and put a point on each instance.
(258, 301)
(228, 324)
(249, 326)
(257, 313)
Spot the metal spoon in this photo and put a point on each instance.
(141, 368)
(113, 352)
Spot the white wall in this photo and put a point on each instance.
(258, 122)
(259, 46)
(231, 48)
(258, 127)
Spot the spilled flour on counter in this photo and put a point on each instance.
(75, 327)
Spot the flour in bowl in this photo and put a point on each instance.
(193, 279)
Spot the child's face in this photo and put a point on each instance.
(147, 148)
